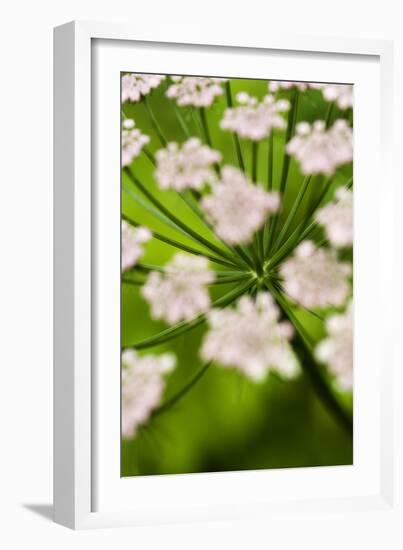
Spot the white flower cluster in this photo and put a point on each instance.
(253, 119)
(314, 277)
(180, 293)
(321, 151)
(133, 142)
(236, 207)
(342, 94)
(195, 90)
(132, 240)
(276, 85)
(136, 85)
(337, 219)
(142, 387)
(186, 166)
(250, 338)
(337, 349)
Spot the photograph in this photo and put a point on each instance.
(236, 292)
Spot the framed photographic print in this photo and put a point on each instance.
(221, 235)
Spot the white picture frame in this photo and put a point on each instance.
(86, 494)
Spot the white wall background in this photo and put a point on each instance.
(26, 266)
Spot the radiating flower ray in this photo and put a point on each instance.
(185, 326)
(311, 367)
(237, 251)
(167, 213)
(291, 123)
(177, 244)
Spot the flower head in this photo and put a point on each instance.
(250, 338)
(314, 277)
(337, 349)
(186, 166)
(321, 151)
(337, 219)
(132, 240)
(255, 120)
(342, 94)
(236, 207)
(180, 293)
(195, 90)
(142, 387)
(136, 85)
(132, 142)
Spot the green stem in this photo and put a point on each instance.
(206, 133)
(293, 212)
(134, 282)
(329, 114)
(292, 119)
(255, 150)
(234, 135)
(270, 162)
(154, 121)
(205, 127)
(183, 391)
(226, 280)
(181, 120)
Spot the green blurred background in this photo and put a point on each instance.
(225, 422)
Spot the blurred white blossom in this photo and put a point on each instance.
(133, 141)
(276, 85)
(136, 85)
(186, 166)
(133, 239)
(314, 277)
(195, 90)
(337, 219)
(236, 207)
(337, 349)
(250, 338)
(180, 293)
(142, 387)
(342, 94)
(320, 150)
(253, 119)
